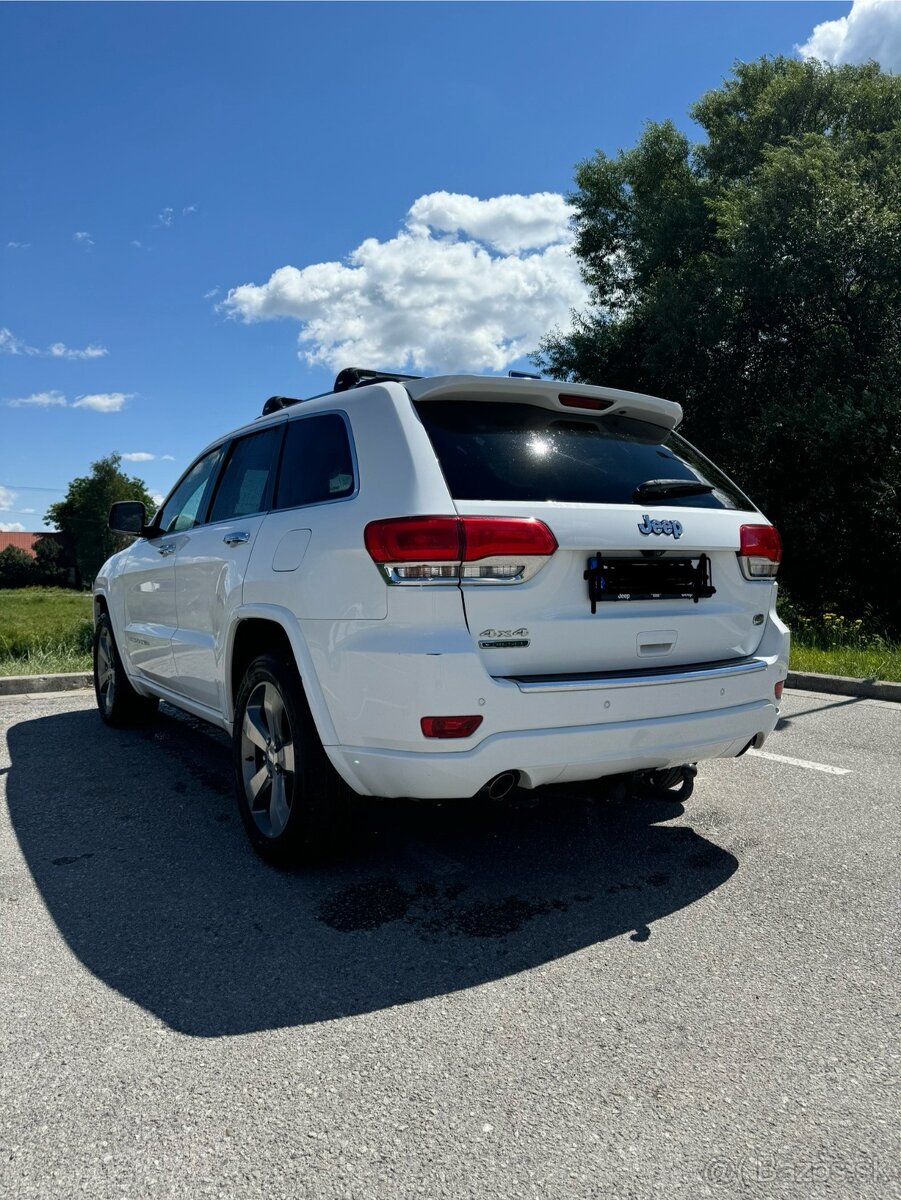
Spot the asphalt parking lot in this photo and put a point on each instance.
(581, 998)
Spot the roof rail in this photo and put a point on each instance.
(352, 377)
(274, 403)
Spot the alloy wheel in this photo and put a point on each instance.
(106, 669)
(267, 754)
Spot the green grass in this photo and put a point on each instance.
(882, 662)
(44, 630)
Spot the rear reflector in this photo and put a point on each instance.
(777, 690)
(760, 551)
(437, 549)
(449, 727)
(571, 401)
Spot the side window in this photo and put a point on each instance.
(317, 463)
(244, 486)
(186, 506)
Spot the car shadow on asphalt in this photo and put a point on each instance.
(138, 853)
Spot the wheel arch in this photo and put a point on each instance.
(260, 629)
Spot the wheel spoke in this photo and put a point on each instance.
(285, 757)
(254, 727)
(274, 710)
(279, 809)
(257, 783)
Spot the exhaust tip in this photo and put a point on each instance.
(501, 785)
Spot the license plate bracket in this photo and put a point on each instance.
(625, 579)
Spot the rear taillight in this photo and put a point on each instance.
(760, 551)
(459, 549)
(449, 727)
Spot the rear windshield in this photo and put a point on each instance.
(491, 451)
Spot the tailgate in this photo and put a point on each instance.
(647, 531)
(546, 624)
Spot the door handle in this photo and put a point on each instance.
(236, 539)
(167, 548)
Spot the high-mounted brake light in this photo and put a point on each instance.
(572, 401)
(459, 549)
(760, 551)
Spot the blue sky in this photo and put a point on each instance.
(158, 157)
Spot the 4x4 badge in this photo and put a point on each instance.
(673, 528)
(503, 639)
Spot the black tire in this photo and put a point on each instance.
(117, 701)
(292, 802)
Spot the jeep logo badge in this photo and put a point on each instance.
(672, 528)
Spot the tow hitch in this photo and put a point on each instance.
(677, 782)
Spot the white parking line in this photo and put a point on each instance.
(800, 762)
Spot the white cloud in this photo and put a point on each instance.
(211, 293)
(431, 298)
(18, 245)
(10, 344)
(165, 218)
(27, 510)
(157, 498)
(104, 402)
(506, 223)
(7, 497)
(11, 527)
(138, 245)
(167, 458)
(84, 238)
(50, 399)
(138, 456)
(188, 209)
(872, 29)
(61, 350)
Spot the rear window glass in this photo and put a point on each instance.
(523, 452)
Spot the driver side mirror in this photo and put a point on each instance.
(128, 516)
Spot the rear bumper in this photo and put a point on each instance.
(564, 755)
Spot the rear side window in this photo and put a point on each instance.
(317, 463)
(244, 486)
(523, 452)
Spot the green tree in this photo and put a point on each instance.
(17, 568)
(82, 515)
(756, 278)
(48, 560)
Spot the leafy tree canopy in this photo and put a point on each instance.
(756, 278)
(16, 568)
(82, 516)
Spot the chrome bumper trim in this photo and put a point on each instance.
(619, 679)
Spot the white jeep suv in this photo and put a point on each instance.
(434, 587)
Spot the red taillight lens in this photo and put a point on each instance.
(414, 539)
(488, 537)
(585, 402)
(449, 727)
(760, 551)
(436, 549)
(777, 690)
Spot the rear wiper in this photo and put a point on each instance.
(663, 488)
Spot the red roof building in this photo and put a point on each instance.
(26, 541)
